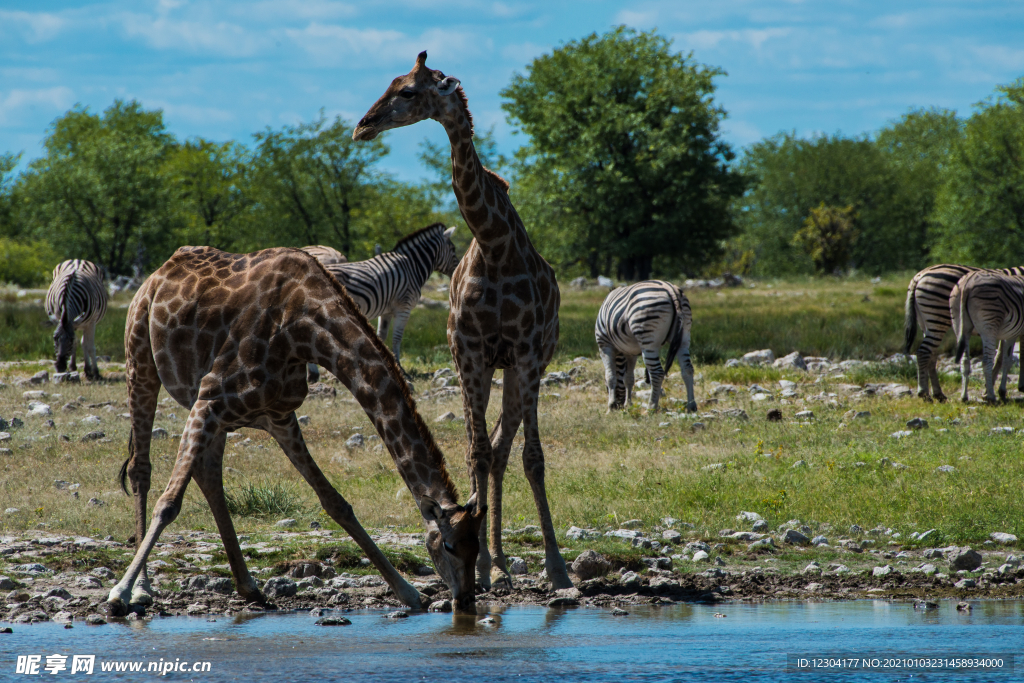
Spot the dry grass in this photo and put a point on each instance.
(601, 469)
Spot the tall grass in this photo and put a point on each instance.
(263, 500)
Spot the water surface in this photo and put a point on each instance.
(673, 643)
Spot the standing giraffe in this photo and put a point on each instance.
(229, 336)
(504, 308)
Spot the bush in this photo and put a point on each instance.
(26, 264)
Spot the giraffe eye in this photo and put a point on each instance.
(448, 546)
(407, 94)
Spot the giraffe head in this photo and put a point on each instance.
(420, 94)
(453, 541)
(63, 343)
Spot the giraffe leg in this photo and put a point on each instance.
(610, 375)
(656, 373)
(287, 433)
(200, 431)
(143, 391)
(501, 443)
(533, 464)
(476, 393)
(208, 473)
(92, 369)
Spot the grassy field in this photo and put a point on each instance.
(603, 469)
(848, 318)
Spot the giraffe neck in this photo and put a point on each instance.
(347, 346)
(484, 203)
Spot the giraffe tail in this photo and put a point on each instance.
(124, 467)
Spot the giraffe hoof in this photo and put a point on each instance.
(500, 579)
(115, 608)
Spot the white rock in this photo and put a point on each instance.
(1003, 538)
(38, 409)
(748, 517)
(701, 556)
(793, 360)
(286, 523)
(447, 417)
(758, 357)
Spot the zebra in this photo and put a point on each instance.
(992, 303)
(328, 256)
(927, 306)
(388, 286)
(639, 319)
(76, 299)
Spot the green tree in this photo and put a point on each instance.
(624, 140)
(979, 212)
(310, 181)
(99, 192)
(8, 224)
(827, 237)
(210, 182)
(791, 176)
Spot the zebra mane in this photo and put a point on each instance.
(408, 239)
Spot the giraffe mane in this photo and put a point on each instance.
(433, 450)
(411, 236)
(502, 183)
(461, 94)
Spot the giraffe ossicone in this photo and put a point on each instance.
(504, 309)
(229, 336)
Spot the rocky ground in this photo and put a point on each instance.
(50, 577)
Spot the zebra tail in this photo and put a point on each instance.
(966, 325)
(910, 319)
(124, 467)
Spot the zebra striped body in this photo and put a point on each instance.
(328, 256)
(928, 306)
(76, 299)
(640, 319)
(991, 303)
(388, 286)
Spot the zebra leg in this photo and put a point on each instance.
(686, 370)
(401, 318)
(965, 374)
(629, 378)
(92, 370)
(312, 373)
(1020, 364)
(656, 373)
(1003, 364)
(925, 366)
(609, 359)
(990, 348)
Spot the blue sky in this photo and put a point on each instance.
(224, 69)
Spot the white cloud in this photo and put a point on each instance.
(999, 57)
(637, 19)
(12, 102)
(219, 37)
(306, 10)
(41, 26)
(332, 44)
(755, 38)
(523, 53)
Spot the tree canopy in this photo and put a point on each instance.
(624, 152)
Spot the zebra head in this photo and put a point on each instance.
(63, 342)
(446, 259)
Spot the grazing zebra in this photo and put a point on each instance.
(992, 303)
(639, 319)
(388, 286)
(927, 305)
(76, 299)
(328, 256)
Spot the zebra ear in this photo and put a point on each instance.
(449, 231)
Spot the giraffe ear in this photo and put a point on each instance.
(449, 231)
(447, 85)
(430, 509)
